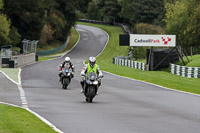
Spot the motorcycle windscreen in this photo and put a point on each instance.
(92, 76)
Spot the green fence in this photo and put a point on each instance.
(129, 63)
(54, 51)
(190, 72)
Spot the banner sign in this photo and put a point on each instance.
(152, 40)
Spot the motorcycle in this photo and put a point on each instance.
(66, 78)
(91, 85)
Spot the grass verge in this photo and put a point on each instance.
(11, 72)
(73, 39)
(18, 120)
(163, 78)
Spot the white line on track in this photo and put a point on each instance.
(25, 104)
(153, 84)
(141, 80)
(24, 101)
(23, 96)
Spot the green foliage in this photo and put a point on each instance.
(143, 11)
(104, 10)
(94, 10)
(139, 53)
(4, 30)
(144, 28)
(26, 16)
(1, 4)
(14, 36)
(111, 9)
(182, 19)
(44, 20)
(83, 5)
(4, 27)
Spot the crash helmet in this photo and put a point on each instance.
(92, 61)
(67, 59)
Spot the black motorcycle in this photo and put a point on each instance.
(66, 78)
(91, 84)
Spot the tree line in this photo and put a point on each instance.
(177, 17)
(51, 20)
(43, 20)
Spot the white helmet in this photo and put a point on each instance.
(92, 61)
(67, 59)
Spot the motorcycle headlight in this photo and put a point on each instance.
(68, 74)
(95, 82)
(92, 78)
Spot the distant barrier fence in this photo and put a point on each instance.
(124, 27)
(128, 63)
(190, 72)
(54, 51)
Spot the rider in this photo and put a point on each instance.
(90, 67)
(66, 64)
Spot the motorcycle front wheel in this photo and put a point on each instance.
(65, 83)
(91, 93)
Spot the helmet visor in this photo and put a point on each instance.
(92, 64)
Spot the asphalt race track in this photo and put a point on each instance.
(122, 106)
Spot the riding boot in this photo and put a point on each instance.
(82, 85)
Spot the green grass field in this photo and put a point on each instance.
(163, 78)
(195, 61)
(18, 120)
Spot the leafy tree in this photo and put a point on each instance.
(182, 19)
(14, 36)
(27, 16)
(104, 10)
(44, 20)
(143, 11)
(68, 12)
(142, 28)
(4, 27)
(83, 5)
(4, 30)
(94, 10)
(111, 9)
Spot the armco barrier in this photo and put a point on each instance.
(49, 52)
(121, 61)
(22, 60)
(189, 72)
(124, 27)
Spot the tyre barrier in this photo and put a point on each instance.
(123, 61)
(189, 72)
